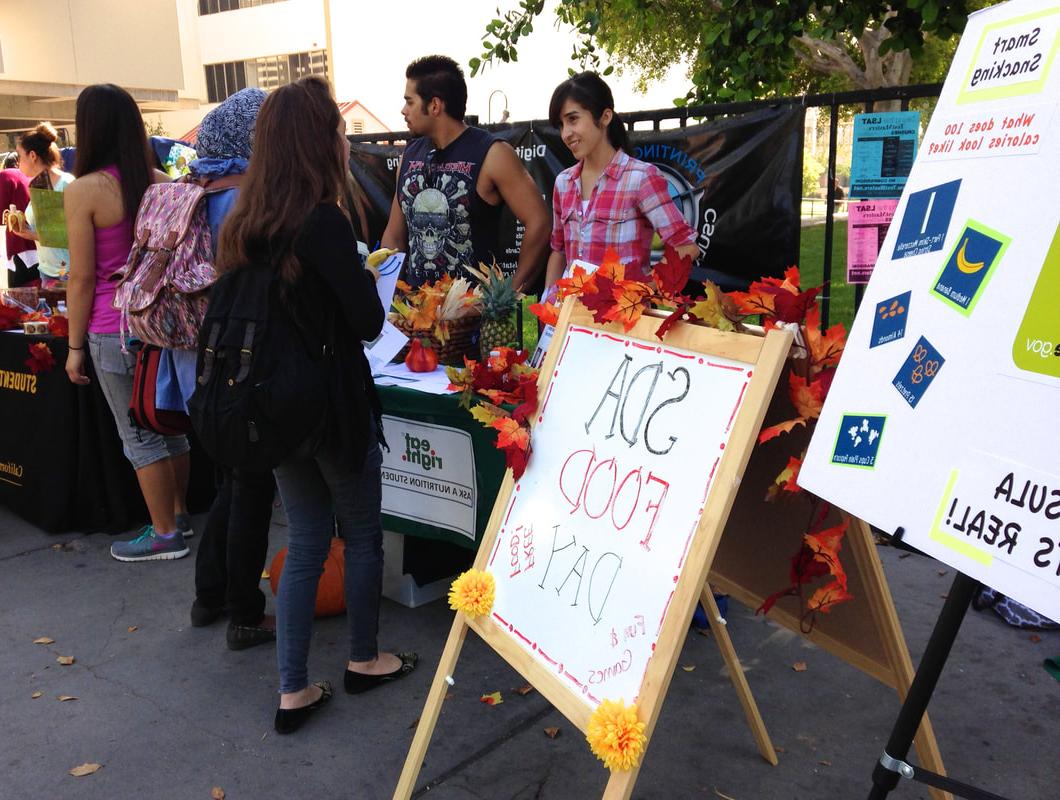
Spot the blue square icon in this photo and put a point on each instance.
(918, 371)
(888, 324)
(858, 440)
(926, 220)
(971, 263)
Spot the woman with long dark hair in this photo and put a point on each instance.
(114, 169)
(288, 220)
(608, 200)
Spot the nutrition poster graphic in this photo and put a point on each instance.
(976, 253)
(1037, 344)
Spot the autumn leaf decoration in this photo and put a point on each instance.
(40, 358)
(501, 380)
(613, 297)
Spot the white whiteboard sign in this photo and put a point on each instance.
(942, 417)
(596, 532)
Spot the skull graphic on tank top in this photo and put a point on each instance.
(438, 214)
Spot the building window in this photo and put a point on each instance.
(266, 73)
(217, 6)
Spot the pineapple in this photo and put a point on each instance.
(498, 309)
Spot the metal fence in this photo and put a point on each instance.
(837, 104)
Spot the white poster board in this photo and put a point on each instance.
(596, 532)
(942, 417)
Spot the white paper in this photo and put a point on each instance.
(436, 382)
(385, 346)
(389, 271)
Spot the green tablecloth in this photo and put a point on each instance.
(435, 449)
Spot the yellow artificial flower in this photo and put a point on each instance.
(472, 593)
(615, 735)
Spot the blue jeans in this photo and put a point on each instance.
(317, 490)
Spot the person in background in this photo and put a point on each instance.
(39, 160)
(451, 183)
(235, 539)
(608, 200)
(113, 169)
(288, 220)
(11, 161)
(21, 251)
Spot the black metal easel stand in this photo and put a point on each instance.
(892, 763)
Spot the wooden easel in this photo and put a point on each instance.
(767, 355)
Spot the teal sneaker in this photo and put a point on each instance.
(150, 546)
(184, 525)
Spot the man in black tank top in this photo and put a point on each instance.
(451, 183)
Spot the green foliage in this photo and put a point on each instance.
(738, 49)
(812, 169)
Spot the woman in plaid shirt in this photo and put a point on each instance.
(608, 200)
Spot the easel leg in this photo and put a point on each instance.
(620, 784)
(431, 709)
(927, 675)
(739, 680)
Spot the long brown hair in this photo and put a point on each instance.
(297, 164)
(110, 133)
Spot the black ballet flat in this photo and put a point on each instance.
(358, 682)
(288, 720)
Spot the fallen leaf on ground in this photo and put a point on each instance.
(905, 555)
(781, 749)
(85, 769)
(702, 631)
(492, 699)
(44, 640)
(448, 695)
(217, 793)
(825, 763)
(64, 697)
(689, 668)
(133, 629)
(264, 574)
(1035, 638)
(57, 547)
(415, 722)
(66, 660)
(722, 795)
(799, 666)
(551, 733)
(944, 596)
(943, 572)
(35, 695)
(524, 690)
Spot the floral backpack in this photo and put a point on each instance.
(162, 289)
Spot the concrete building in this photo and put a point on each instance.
(51, 49)
(228, 45)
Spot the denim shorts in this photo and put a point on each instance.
(114, 371)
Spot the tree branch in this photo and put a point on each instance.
(830, 58)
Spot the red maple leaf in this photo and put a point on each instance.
(807, 396)
(58, 325)
(675, 316)
(10, 317)
(40, 358)
(672, 271)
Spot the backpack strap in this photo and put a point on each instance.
(209, 354)
(219, 184)
(245, 353)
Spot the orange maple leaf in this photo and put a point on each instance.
(773, 431)
(825, 348)
(807, 396)
(546, 312)
(511, 433)
(632, 298)
(611, 268)
(831, 594)
(826, 545)
(575, 284)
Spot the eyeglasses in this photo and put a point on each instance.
(428, 172)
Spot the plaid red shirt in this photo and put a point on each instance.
(629, 203)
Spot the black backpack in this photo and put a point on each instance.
(261, 378)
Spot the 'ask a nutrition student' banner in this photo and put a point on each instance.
(737, 181)
(942, 418)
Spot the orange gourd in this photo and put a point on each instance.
(421, 358)
(331, 594)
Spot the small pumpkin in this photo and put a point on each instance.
(421, 357)
(331, 592)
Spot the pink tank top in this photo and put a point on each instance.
(113, 244)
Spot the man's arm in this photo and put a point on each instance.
(396, 235)
(519, 192)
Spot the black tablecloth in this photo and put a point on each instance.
(61, 462)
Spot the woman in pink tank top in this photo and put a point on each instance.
(114, 169)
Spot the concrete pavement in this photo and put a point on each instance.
(171, 713)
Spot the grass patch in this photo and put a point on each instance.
(811, 268)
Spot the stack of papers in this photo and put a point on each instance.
(436, 382)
